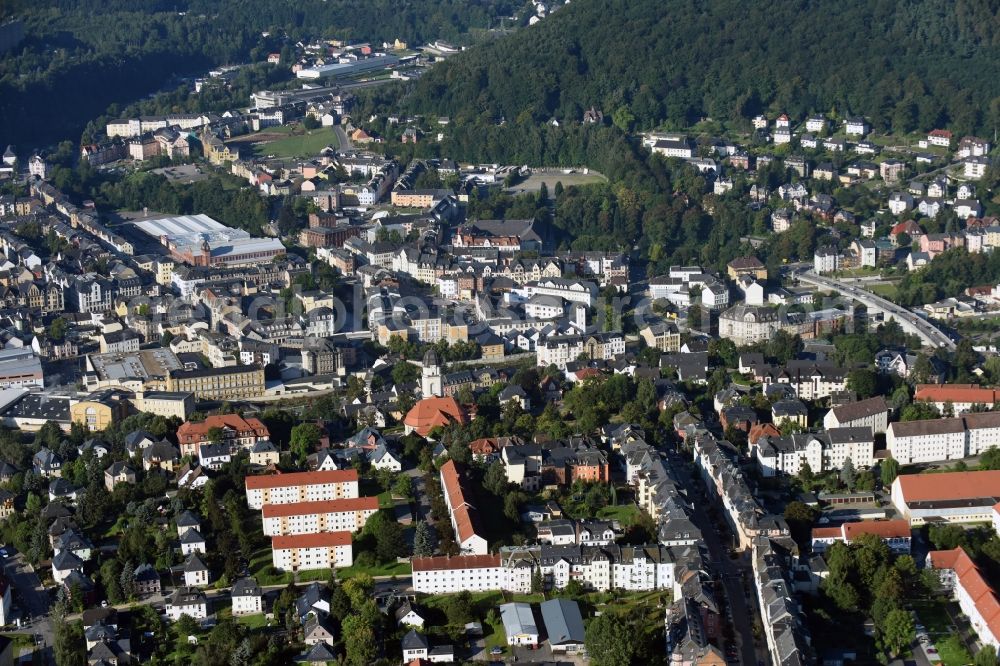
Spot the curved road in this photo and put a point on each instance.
(929, 334)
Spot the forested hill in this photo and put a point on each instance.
(79, 56)
(914, 64)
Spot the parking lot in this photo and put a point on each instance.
(184, 174)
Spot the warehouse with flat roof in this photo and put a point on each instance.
(344, 69)
(199, 240)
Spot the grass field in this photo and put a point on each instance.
(389, 569)
(884, 290)
(298, 143)
(534, 182)
(625, 514)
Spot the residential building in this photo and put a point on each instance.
(895, 533)
(977, 598)
(188, 601)
(464, 516)
(247, 597)
(954, 497)
(301, 487)
(339, 515)
(519, 624)
(872, 413)
(306, 552)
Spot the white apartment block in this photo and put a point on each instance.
(601, 568)
(873, 413)
(559, 350)
(574, 291)
(935, 440)
(306, 552)
(301, 487)
(973, 592)
(822, 451)
(339, 515)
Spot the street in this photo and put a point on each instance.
(31, 600)
(741, 611)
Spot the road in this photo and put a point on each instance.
(742, 612)
(929, 334)
(31, 600)
(345, 141)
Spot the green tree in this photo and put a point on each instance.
(359, 638)
(848, 474)
(304, 439)
(800, 518)
(610, 640)
(898, 631)
(69, 647)
(990, 459)
(495, 480)
(423, 540)
(58, 329)
(987, 656)
(863, 382)
(888, 470)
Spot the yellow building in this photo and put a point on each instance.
(165, 404)
(99, 410)
(233, 382)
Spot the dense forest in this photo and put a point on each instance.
(915, 64)
(79, 56)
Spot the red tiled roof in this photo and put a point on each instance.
(826, 533)
(329, 506)
(457, 562)
(759, 430)
(949, 485)
(956, 393)
(320, 540)
(885, 529)
(301, 479)
(430, 413)
(198, 431)
(944, 559)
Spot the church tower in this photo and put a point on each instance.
(430, 376)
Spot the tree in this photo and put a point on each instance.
(359, 589)
(402, 486)
(990, 459)
(806, 475)
(610, 640)
(898, 631)
(863, 382)
(800, 518)
(388, 536)
(57, 329)
(495, 480)
(847, 473)
(304, 439)
(423, 540)
(359, 639)
(459, 609)
(889, 470)
(310, 122)
(68, 649)
(987, 656)
(404, 373)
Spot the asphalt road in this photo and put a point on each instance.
(731, 571)
(31, 600)
(911, 323)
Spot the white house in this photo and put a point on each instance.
(519, 624)
(247, 597)
(188, 601)
(873, 413)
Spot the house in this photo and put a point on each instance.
(195, 571)
(319, 653)
(318, 629)
(792, 411)
(408, 615)
(117, 473)
(939, 137)
(247, 597)
(192, 542)
(188, 601)
(856, 126)
(895, 533)
(563, 625)
(63, 564)
(873, 413)
(381, 457)
(186, 521)
(415, 646)
(47, 463)
(751, 266)
(147, 580)
(519, 624)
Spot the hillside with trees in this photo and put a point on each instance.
(79, 57)
(911, 64)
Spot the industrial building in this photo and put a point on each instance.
(198, 240)
(342, 70)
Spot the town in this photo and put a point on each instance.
(289, 382)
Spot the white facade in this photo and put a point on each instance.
(937, 440)
(330, 550)
(342, 515)
(248, 604)
(301, 487)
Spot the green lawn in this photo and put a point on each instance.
(884, 290)
(385, 500)
(625, 514)
(260, 565)
(952, 652)
(933, 615)
(307, 144)
(253, 621)
(390, 569)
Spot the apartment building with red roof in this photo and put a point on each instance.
(301, 487)
(237, 431)
(464, 516)
(339, 515)
(959, 398)
(957, 497)
(895, 533)
(976, 597)
(305, 552)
